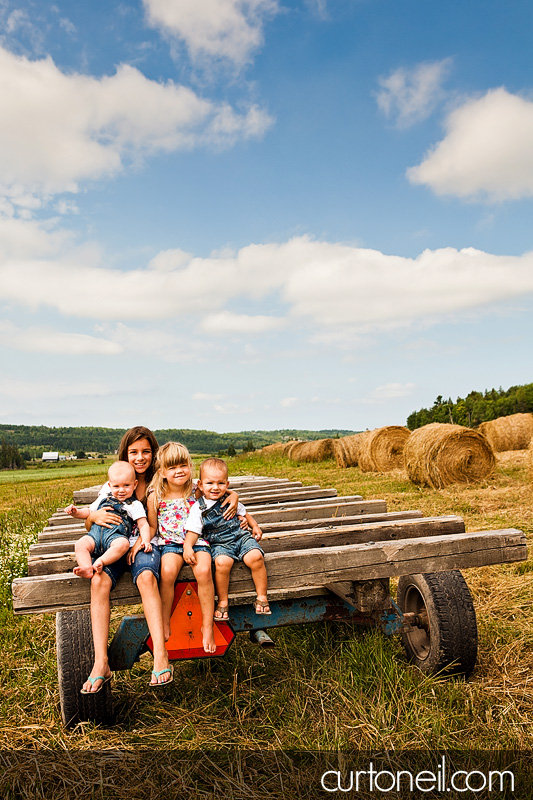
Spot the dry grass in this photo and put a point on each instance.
(324, 687)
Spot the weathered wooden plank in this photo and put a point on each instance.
(65, 544)
(306, 510)
(49, 563)
(335, 522)
(294, 495)
(299, 569)
(317, 509)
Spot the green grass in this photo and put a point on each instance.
(324, 686)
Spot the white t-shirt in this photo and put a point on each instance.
(195, 522)
(135, 510)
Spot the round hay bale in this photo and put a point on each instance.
(382, 449)
(530, 459)
(318, 450)
(440, 454)
(346, 449)
(275, 449)
(289, 447)
(508, 433)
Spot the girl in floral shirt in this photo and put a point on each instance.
(173, 493)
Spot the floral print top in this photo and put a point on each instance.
(172, 517)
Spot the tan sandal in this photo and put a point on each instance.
(222, 610)
(262, 606)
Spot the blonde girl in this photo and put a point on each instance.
(172, 494)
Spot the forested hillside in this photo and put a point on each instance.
(106, 440)
(476, 407)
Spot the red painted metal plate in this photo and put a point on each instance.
(186, 626)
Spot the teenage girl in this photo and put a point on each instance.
(172, 495)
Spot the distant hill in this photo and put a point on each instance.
(34, 438)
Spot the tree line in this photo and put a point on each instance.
(476, 407)
(10, 458)
(38, 438)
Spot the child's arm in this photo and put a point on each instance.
(188, 553)
(78, 513)
(230, 504)
(256, 531)
(145, 532)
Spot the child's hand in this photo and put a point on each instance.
(71, 510)
(189, 556)
(257, 533)
(130, 558)
(244, 523)
(147, 547)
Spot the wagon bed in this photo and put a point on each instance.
(327, 558)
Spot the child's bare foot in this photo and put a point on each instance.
(98, 565)
(84, 572)
(208, 639)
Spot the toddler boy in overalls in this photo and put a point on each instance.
(229, 541)
(102, 547)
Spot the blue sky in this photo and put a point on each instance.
(256, 214)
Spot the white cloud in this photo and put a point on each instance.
(44, 388)
(226, 322)
(227, 29)
(231, 408)
(410, 95)
(341, 291)
(206, 396)
(390, 391)
(288, 402)
(42, 340)
(487, 150)
(58, 129)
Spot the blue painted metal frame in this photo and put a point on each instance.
(130, 638)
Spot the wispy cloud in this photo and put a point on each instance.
(408, 96)
(213, 29)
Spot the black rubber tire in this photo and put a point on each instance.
(75, 655)
(450, 645)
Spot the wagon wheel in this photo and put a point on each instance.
(75, 654)
(445, 639)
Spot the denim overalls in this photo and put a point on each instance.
(104, 536)
(225, 536)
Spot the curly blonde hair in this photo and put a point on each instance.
(171, 454)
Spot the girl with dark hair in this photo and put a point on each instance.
(139, 447)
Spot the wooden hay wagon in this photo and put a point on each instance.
(328, 558)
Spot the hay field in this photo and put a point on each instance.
(323, 687)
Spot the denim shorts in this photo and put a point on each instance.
(114, 570)
(236, 549)
(103, 537)
(176, 548)
(146, 561)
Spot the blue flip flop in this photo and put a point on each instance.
(92, 681)
(162, 672)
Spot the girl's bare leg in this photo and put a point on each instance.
(206, 596)
(100, 613)
(171, 563)
(153, 611)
